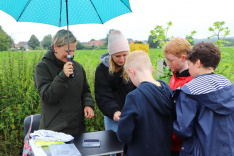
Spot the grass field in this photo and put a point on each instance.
(19, 97)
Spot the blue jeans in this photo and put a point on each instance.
(110, 125)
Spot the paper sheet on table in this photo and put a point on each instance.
(47, 143)
(48, 135)
(64, 150)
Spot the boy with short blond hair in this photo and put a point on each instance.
(175, 52)
(145, 124)
(205, 106)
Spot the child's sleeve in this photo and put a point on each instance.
(126, 123)
(186, 109)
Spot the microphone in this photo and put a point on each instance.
(69, 60)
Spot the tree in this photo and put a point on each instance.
(138, 42)
(46, 42)
(33, 42)
(107, 36)
(189, 38)
(151, 42)
(130, 39)
(5, 40)
(79, 45)
(217, 30)
(231, 40)
(161, 34)
(22, 48)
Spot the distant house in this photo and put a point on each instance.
(95, 43)
(24, 44)
(13, 46)
(84, 43)
(145, 41)
(131, 42)
(41, 43)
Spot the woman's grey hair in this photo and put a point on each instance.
(60, 38)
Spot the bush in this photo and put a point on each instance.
(101, 47)
(19, 97)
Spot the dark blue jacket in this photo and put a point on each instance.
(205, 110)
(145, 124)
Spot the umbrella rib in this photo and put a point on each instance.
(23, 9)
(126, 6)
(96, 11)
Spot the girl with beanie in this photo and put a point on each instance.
(110, 88)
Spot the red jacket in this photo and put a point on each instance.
(174, 83)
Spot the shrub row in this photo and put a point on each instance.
(19, 97)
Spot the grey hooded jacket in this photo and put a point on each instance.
(110, 90)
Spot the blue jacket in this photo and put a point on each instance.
(205, 110)
(145, 124)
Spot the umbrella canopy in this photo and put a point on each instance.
(53, 12)
(65, 12)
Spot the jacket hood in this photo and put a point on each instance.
(158, 97)
(105, 59)
(220, 101)
(49, 55)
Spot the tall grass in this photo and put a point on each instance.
(19, 97)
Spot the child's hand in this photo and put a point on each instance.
(116, 116)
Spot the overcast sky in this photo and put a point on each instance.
(186, 15)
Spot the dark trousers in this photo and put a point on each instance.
(175, 153)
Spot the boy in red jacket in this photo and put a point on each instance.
(175, 52)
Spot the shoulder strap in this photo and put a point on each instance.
(27, 150)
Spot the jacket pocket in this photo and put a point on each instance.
(49, 123)
(189, 147)
(59, 127)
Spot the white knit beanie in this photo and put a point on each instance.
(117, 42)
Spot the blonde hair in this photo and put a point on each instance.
(139, 60)
(60, 38)
(177, 46)
(112, 66)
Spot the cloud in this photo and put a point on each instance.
(186, 15)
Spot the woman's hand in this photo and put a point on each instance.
(116, 116)
(68, 69)
(88, 112)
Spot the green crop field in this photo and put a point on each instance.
(19, 97)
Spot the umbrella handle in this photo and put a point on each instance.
(69, 60)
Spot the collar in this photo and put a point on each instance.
(183, 73)
(205, 74)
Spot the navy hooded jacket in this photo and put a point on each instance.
(205, 110)
(145, 124)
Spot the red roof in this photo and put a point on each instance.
(95, 43)
(131, 42)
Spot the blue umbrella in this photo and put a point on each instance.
(57, 13)
(54, 12)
